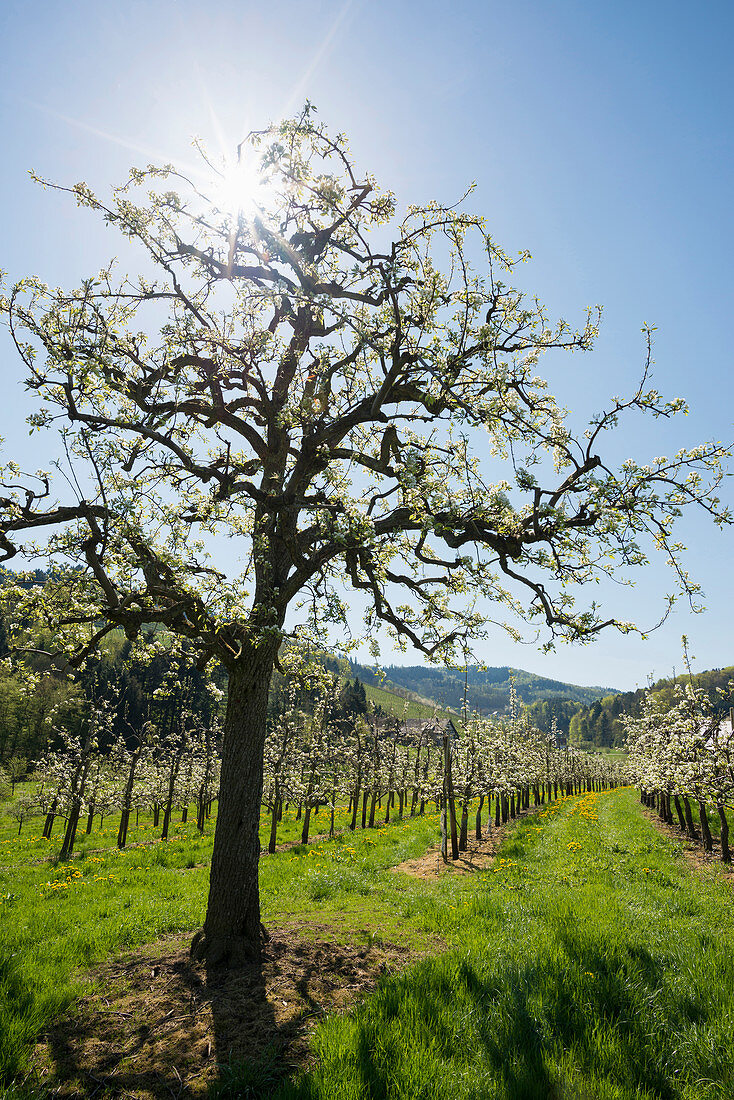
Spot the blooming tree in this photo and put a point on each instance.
(333, 387)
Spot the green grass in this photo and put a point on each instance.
(589, 962)
(58, 919)
(405, 708)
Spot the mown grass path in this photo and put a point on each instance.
(591, 964)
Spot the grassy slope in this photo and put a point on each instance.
(404, 708)
(589, 963)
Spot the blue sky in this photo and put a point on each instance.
(599, 136)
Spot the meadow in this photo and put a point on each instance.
(588, 960)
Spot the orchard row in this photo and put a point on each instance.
(681, 755)
(315, 757)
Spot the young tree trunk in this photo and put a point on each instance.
(355, 806)
(690, 827)
(172, 777)
(274, 818)
(478, 822)
(78, 785)
(725, 850)
(679, 811)
(444, 830)
(232, 931)
(67, 846)
(450, 796)
(708, 843)
(373, 807)
(127, 801)
(306, 822)
(50, 817)
(464, 830)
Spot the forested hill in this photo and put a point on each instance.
(488, 688)
(600, 724)
(589, 717)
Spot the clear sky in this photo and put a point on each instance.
(599, 135)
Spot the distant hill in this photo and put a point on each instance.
(601, 723)
(488, 688)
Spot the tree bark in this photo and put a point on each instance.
(232, 931)
(127, 801)
(725, 850)
(272, 842)
(708, 843)
(464, 828)
(450, 796)
(690, 827)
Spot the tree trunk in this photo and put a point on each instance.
(464, 828)
(232, 931)
(679, 811)
(78, 785)
(306, 822)
(50, 817)
(444, 830)
(373, 807)
(127, 802)
(172, 777)
(708, 843)
(450, 797)
(355, 799)
(478, 821)
(725, 850)
(274, 819)
(690, 827)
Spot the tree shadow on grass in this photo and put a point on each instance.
(159, 1025)
(561, 1024)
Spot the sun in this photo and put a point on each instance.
(243, 186)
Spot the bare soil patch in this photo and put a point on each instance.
(480, 854)
(158, 1025)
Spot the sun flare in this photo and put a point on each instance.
(242, 187)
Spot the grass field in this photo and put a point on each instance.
(590, 961)
(404, 708)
